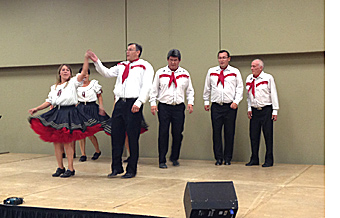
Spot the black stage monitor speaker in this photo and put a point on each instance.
(210, 199)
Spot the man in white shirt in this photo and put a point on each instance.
(134, 79)
(169, 87)
(224, 86)
(263, 105)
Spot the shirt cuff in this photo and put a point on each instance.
(274, 112)
(191, 102)
(138, 103)
(153, 103)
(206, 102)
(236, 102)
(97, 62)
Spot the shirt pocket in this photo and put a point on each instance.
(164, 82)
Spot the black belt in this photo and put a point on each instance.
(221, 103)
(172, 104)
(127, 99)
(89, 102)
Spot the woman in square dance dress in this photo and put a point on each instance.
(87, 97)
(64, 123)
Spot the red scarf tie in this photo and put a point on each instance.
(126, 72)
(221, 78)
(127, 68)
(172, 79)
(252, 86)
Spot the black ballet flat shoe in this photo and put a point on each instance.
(96, 155)
(83, 158)
(58, 172)
(68, 173)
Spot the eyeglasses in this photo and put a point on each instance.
(130, 50)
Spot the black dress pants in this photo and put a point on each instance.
(125, 122)
(167, 114)
(223, 116)
(261, 119)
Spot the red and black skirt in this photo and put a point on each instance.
(64, 124)
(91, 109)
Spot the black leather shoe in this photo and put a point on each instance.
(218, 163)
(128, 175)
(83, 158)
(267, 165)
(58, 172)
(163, 166)
(68, 173)
(115, 173)
(227, 162)
(252, 163)
(175, 163)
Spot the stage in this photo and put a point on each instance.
(284, 190)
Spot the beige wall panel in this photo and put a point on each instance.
(43, 32)
(149, 24)
(273, 26)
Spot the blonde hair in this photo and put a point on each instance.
(59, 77)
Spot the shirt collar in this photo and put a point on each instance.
(260, 76)
(178, 69)
(227, 68)
(134, 61)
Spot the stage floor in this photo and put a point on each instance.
(285, 190)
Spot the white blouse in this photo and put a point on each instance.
(89, 93)
(65, 94)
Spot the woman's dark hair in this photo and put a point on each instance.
(88, 71)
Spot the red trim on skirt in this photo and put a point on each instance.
(50, 134)
(143, 130)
